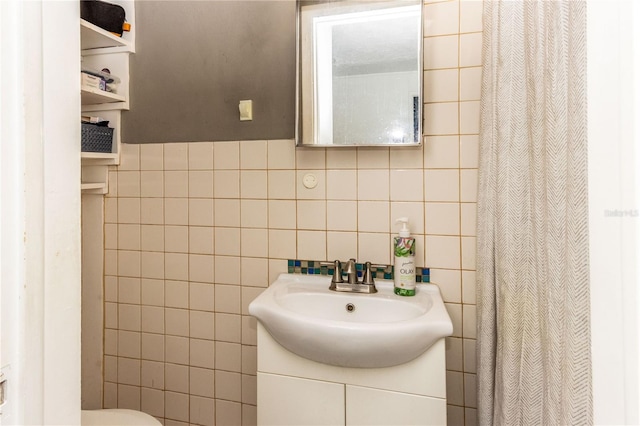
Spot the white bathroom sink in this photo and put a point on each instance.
(349, 329)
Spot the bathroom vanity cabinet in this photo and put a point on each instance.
(293, 390)
(101, 49)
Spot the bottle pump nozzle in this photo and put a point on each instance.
(404, 231)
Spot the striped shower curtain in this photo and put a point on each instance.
(534, 364)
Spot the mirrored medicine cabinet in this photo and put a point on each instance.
(359, 73)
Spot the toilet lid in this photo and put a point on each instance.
(117, 417)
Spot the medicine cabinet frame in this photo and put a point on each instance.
(314, 129)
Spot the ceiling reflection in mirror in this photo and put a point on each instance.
(359, 73)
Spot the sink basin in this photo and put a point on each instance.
(349, 329)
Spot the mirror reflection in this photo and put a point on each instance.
(359, 73)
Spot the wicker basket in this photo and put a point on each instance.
(96, 138)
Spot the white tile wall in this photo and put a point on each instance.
(441, 18)
(441, 85)
(195, 231)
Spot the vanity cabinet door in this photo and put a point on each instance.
(370, 407)
(284, 400)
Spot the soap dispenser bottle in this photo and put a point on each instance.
(404, 266)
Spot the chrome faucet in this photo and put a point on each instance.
(351, 271)
(352, 284)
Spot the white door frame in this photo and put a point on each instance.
(11, 208)
(40, 211)
(613, 48)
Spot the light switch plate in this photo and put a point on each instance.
(246, 110)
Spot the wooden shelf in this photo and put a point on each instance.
(89, 186)
(97, 188)
(91, 96)
(94, 37)
(101, 49)
(96, 156)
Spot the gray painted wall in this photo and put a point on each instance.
(195, 60)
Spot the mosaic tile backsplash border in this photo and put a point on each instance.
(316, 267)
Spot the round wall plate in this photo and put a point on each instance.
(310, 181)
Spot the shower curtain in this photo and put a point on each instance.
(534, 365)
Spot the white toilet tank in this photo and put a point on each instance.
(117, 417)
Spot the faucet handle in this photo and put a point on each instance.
(337, 270)
(367, 278)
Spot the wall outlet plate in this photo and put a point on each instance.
(246, 110)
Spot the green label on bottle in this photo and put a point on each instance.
(404, 291)
(404, 247)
